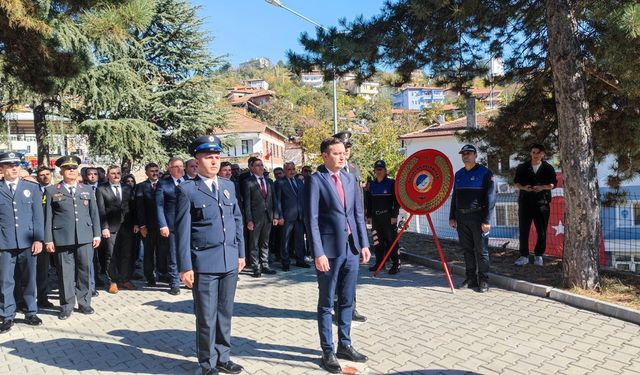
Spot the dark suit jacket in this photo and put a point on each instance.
(325, 217)
(209, 236)
(289, 203)
(146, 213)
(166, 203)
(114, 213)
(21, 217)
(68, 220)
(255, 206)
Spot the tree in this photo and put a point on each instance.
(450, 38)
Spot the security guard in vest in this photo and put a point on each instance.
(382, 209)
(22, 224)
(72, 231)
(210, 253)
(472, 203)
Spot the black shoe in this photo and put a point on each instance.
(484, 287)
(46, 304)
(210, 371)
(6, 325)
(394, 269)
(164, 278)
(137, 276)
(152, 283)
(33, 320)
(100, 284)
(229, 367)
(268, 271)
(330, 363)
(64, 315)
(174, 291)
(95, 293)
(86, 310)
(357, 317)
(303, 265)
(374, 267)
(351, 354)
(256, 273)
(468, 283)
(286, 268)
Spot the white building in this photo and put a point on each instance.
(258, 84)
(314, 79)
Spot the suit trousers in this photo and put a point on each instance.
(42, 275)
(120, 256)
(341, 279)
(73, 274)
(539, 214)
(151, 242)
(213, 295)
(292, 230)
(168, 248)
(17, 267)
(474, 244)
(259, 239)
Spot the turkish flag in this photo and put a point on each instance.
(555, 229)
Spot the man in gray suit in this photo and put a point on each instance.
(21, 221)
(72, 231)
(290, 208)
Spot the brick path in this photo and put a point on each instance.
(415, 326)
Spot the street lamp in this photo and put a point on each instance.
(278, 3)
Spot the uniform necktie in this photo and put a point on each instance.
(178, 181)
(72, 190)
(340, 190)
(263, 188)
(12, 187)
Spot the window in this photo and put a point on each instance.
(507, 214)
(628, 215)
(247, 146)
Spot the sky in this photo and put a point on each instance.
(244, 29)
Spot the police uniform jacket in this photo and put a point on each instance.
(380, 199)
(209, 237)
(473, 192)
(71, 220)
(21, 215)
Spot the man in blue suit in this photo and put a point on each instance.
(290, 208)
(166, 210)
(210, 246)
(334, 218)
(22, 224)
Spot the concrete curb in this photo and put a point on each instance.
(542, 291)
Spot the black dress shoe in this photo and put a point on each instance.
(484, 287)
(357, 317)
(152, 283)
(256, 273)
(6, 325)
(45, 304)
(303, 265)
(87, 310)
(174, 291)
(64, 315)
(286, 268)
(351, 354)
(374, 268)
(210, 371)
(229, 367)
(468, 283)
(33, 320)
(330, 363)
(268, 271)
(95, 293)
(394, 269)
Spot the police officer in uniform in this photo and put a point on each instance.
(210, 253)
(352, 168)
(472, 203)
(382, 209)
(22, 222)
(72, 231)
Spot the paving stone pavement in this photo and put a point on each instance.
(415, 326)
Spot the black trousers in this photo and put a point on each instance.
(293, 237)
(474, 245)
(43, 263)
(73, 274)
(259, 239)
(539, 214)
(119, 257)
(386, 235)
(150, 259)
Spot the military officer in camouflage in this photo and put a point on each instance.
(72, 231)
(21, 221)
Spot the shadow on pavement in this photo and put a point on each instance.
(85, 355)
(435, 372)
(240, 309)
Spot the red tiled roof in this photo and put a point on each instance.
(238, 122)
(452, 127)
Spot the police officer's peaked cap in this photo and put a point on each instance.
(68, 161)
(10, 157)
(380, 164)
(209, 143)
(467, 148)
(344, 137)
